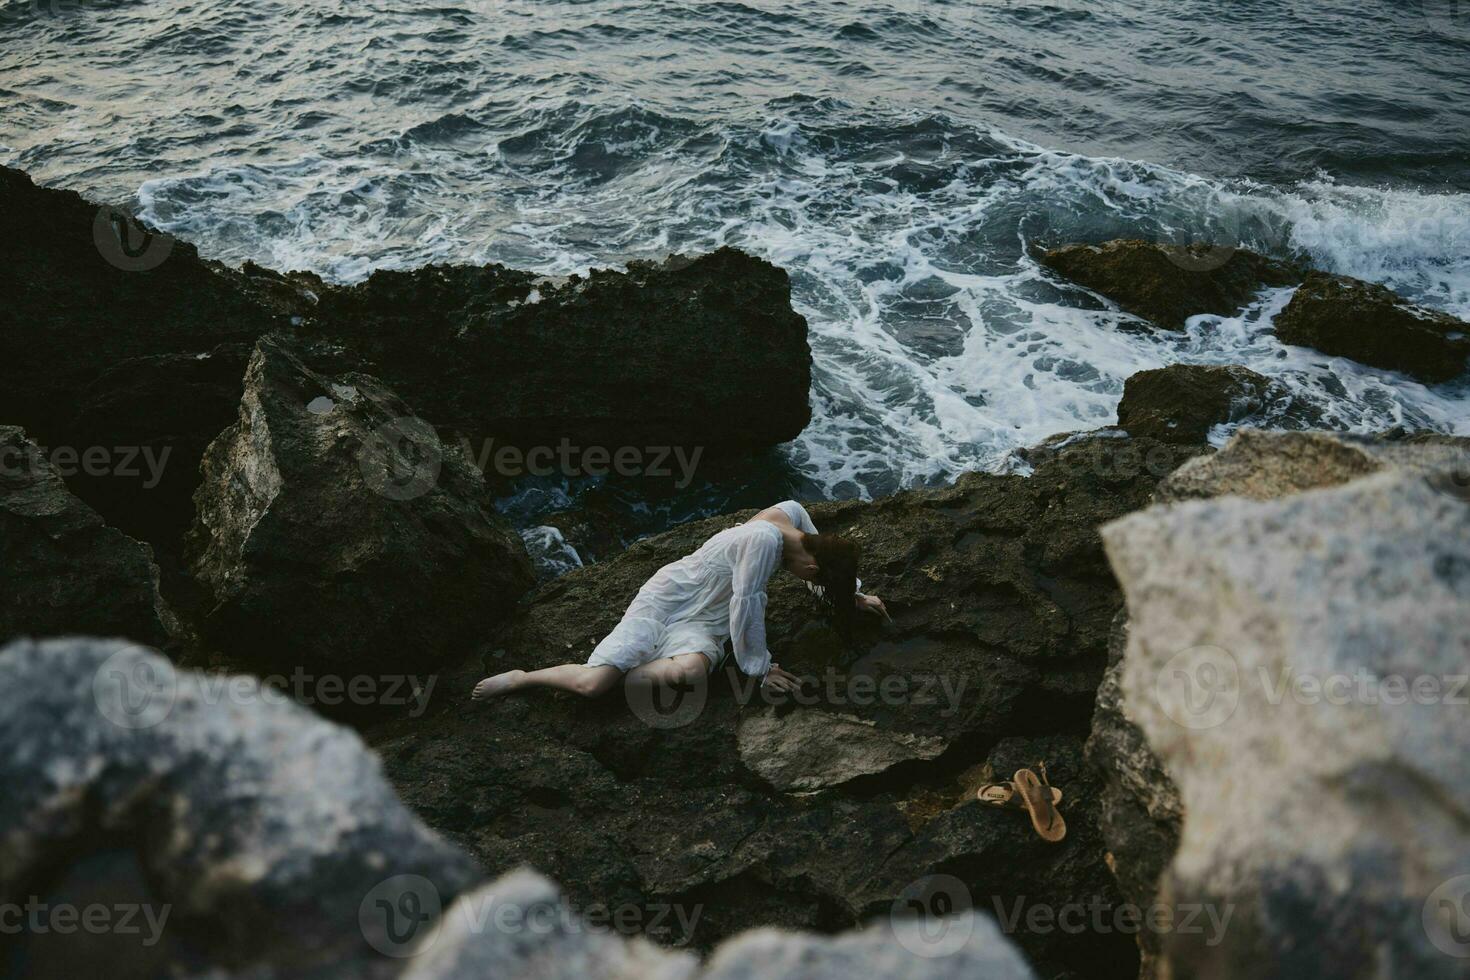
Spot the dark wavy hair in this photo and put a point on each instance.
(837, 568)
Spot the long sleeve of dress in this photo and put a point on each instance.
(755, 560)
(802, 521)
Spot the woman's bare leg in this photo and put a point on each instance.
(582, 679)
(683, 668)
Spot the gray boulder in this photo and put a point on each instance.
(256, 839)
(1268, 465)
(61, 568)
(960, 947)
(520, 926)
(1141, 813)
(337, 533)
(1299, 665)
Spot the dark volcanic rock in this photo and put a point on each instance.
(1167, 284)
(664, 354)
(62, 569)
(1140, 813)
(1372, 324)
(1002, 606)
(1180, 403)
(255, 837)
(339, 534)
(121, 348)
(114, 337)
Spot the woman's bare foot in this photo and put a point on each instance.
(499, 684)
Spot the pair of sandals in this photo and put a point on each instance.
(1033, 794)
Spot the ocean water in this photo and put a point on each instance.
(898, 157)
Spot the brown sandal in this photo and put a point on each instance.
(1003, 795)
(1045, 819)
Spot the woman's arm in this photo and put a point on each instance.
(754, 562)
(752, 565)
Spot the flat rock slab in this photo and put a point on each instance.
(1269, 465)
(808, 750)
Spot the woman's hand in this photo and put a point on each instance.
(872, 604)
(782, 681)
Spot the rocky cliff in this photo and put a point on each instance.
(1296, 660)
(821, 814)
(201, 825)
(119, 339)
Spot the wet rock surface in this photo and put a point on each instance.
(665, 354)
(1167, 284)
(338, 534)
(1182, 402)
(1369, 323)
(251, 832)
(1002, 606)
(118, 337)
(61, 568)
(1291, 662)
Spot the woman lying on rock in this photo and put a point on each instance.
(675, 629)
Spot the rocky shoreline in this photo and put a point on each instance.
(319, 522)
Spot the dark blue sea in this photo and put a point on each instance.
(897, 157)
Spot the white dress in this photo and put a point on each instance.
(696, 603)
